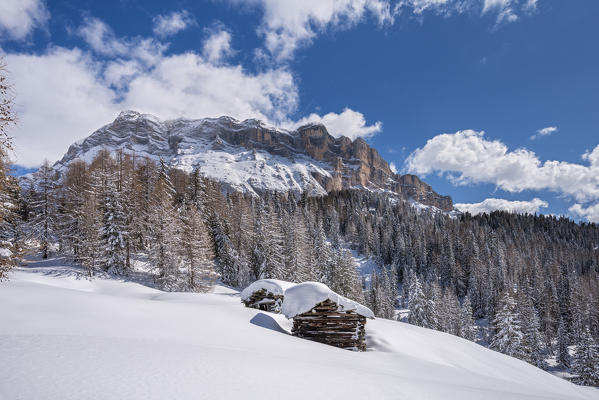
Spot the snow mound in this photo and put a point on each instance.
(304, 296)
(273, 286)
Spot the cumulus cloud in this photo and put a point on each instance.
(591, 213)
(18, 18)
(217, 46)
(488, 205)
(349, 123)
(288, 25)
(53, 112)
(467, 157)
(393, 167)
(170, 24)
(93, 89)
(544, 132)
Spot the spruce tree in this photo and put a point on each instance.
(468, 328)
(563, 355)
(114, 232)
(507, 337)
(418, 305)
(586, 360)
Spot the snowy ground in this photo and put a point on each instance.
(64, 337)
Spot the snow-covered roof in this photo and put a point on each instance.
(273, 286)
(303, 297)
(5, 253)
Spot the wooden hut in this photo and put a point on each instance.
(265, 294)
(321, 315)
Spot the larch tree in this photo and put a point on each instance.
(7, 204)
(164, 230)
(195, 249)
(43, 224)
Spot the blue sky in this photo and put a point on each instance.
(420, 79)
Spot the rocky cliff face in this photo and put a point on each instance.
(251, 156)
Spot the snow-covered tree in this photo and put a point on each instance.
(196, 251)
(418, 305)
(42, 201)
(586, 360)
(164, 231)
(468, 328)
(507, 337)
(531, 330)
(563, 341)
(114, 231)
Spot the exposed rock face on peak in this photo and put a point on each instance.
(251, 156)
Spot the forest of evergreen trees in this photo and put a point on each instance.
(534, 278)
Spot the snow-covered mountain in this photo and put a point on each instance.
(65, 337)
(251, 156)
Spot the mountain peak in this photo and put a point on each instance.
(251, 156)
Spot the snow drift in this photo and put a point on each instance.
(67, 338)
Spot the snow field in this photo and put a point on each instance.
(68, 338)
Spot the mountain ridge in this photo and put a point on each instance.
(252, 156)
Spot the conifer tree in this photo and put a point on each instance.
(531, 330)
(114, 232)
(417, 303)
(507, 337)
(468, 328)
(563, 341)
(586, 360)
(195, 249)
(164, 231)
(42, 201)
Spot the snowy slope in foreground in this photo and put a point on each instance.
(63, 338)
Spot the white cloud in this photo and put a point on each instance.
(288, 25)
(544, 132)
(93, 89)
(217, 46)
(503, 8)
(393, 167)
(18, 18)
(170, 24)
(489, 205)
(53, 113)
(590, 213)
(120, 73)
(102, 40)
(469, 158)
(349, 123)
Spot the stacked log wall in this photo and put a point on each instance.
(327, 323)
(269, 302)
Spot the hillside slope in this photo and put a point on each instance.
(250, 156)
(68, 338)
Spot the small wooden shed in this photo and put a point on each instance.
(265, 294)
(321, 315)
